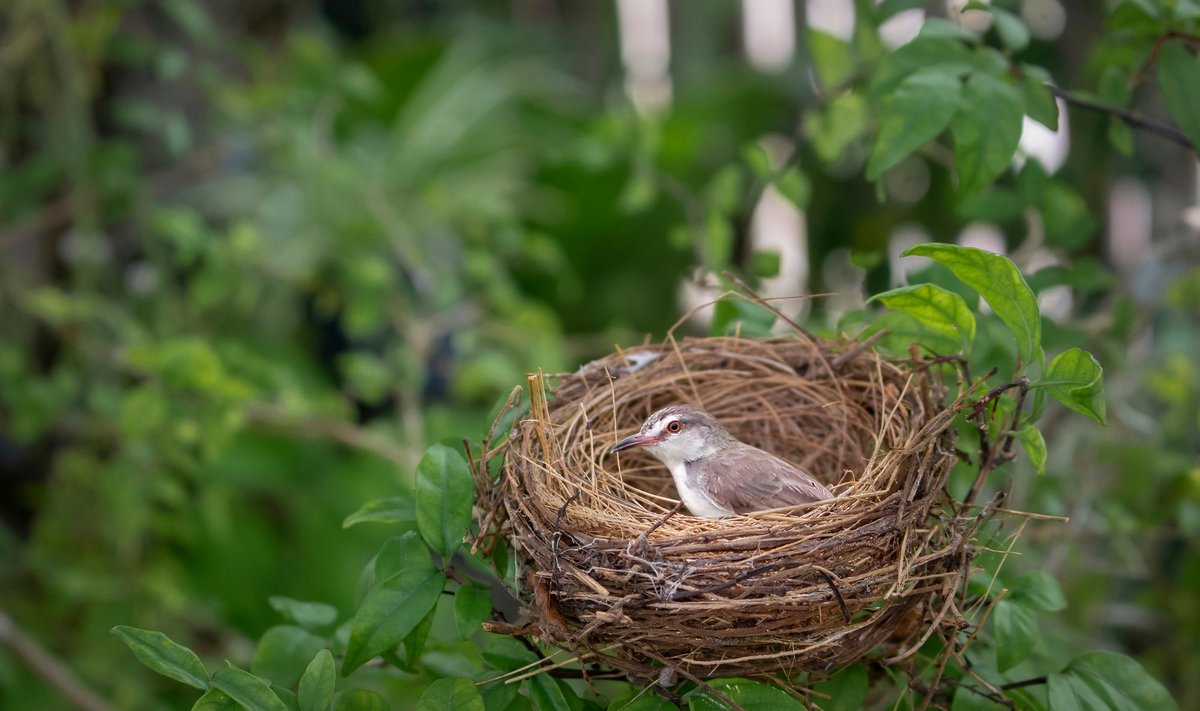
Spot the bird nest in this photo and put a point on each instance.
(614, 571)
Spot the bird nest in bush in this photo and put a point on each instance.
(615, 572)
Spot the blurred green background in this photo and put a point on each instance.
(255, 256)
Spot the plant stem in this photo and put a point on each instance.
(48, 668)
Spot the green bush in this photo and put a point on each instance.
(266, 275)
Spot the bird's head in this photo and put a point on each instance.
(679, 433)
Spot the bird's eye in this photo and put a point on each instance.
(674, 426)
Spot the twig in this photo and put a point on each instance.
(988, 460)
(1016, 423)
(1132, 118)
(859, 348)
(995, 697)
(841, 601)
(758, 299)
(639, 544)
(1024, 682)
(556, 537)
(1024, 514)
(995, 694)
(1152, 58)
(687, 594)
(337, 430)
(50, 669)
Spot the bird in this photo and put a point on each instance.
(716, 474)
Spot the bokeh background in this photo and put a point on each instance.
(256, 255)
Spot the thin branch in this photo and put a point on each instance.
(48, 668)
(1132, 118)
(338, 430)
(1024, 682)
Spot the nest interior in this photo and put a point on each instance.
(615, 573)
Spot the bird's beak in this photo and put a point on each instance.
(636, 440)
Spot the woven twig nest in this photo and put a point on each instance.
(612, 571)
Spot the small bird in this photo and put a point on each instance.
(717, 475)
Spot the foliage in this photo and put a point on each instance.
(400, 604)
(375, 240)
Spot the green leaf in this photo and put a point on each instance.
(451, 695)
(1039, 591)
(732, 315)
(497, 695)
(193, 18)
(832, 58)
(1065, 215)
(391, 610)
(160, 653)
(794, 186)
(1035, 447)
(750, 695)
(316, 685)
(1179, 81)
(986, 131)
(966, 699)
(414, 642)
(472, 606)
(393, 509)
(723, 192)
(1187, 10)
(1087, 274)
(312, 615)
(1014, 630)
(546, 694)
(639, 194)
(1039, 406)
(445, 493)
(287, 697)
(216, 700)
(888, 8)
(847, 690)
(1094, 681)
(765, 263)
(717, 241)
(283, 653)
(252, 693)
(406, 554)
(948, 55)
(834, 127)
(1120, 135)
(941, 311)
(1113, 85)
(757, 159)
(361, 700)
(1014, 35)
(1000, 284)
(506, 653)
(904, 331)
(994, 205)
(1039, 102)
(913, 115)
(640, 699)
(1076, 380)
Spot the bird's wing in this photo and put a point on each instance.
(753, 480)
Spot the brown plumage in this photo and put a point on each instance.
(717, 475)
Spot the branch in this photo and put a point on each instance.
(48, 668)
(347, 433)
(1024, 682)
(1133, 118)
